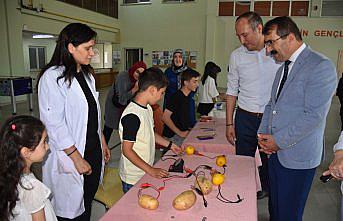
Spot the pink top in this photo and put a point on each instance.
(240, 178)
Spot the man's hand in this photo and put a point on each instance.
(230, 134)
(267, 143)
(81, 165)
(157, 172)
(336, 166)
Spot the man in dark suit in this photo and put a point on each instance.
(293, 123)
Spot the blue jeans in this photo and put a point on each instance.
(126, 186)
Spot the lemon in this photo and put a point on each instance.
(218, 179)
(221, 160)
(190, 150)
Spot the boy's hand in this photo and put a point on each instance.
(158, 173)
(176, 149)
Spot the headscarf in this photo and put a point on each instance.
(135, 66)
(181, 68)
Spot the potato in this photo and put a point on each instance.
(184, 200)
(205, 184)
(148, 202)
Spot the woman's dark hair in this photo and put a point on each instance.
(16, 133)
(152, 77)
(76, 34)
(211, 69)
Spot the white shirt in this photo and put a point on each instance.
(208, 91)
(144, 145)
(64, 111)
(251, 75)
(293, 58)
(33, 196)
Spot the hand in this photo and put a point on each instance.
(336, 166)
(267, 143)
(135, 88)
(106, 152)
(81, 165)
(184, 133)
(157, 172)
(231, 135)
(223, 97)
(176, 149)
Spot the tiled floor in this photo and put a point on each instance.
(324, 199)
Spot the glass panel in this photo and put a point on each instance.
(102, 6)
(74, 2)
(225, 8)
(41, 57)
(89, 4)
(242, 7)
(299, 8)
(262, 8)
(332, 8)
(281, 8)
(130, 1)
(33, 58)
(113, 8)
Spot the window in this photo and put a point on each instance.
(266, 7)
(177, 1)
(135, 1)
(36, 57)
(332, 8)
(106, 7)
(262, 8)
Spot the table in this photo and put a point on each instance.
(218, 144)
(240, 179)
(16, 86)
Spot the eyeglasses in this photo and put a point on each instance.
(271, 42)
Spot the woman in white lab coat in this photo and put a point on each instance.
(69, 107)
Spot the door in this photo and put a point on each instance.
(133, 55)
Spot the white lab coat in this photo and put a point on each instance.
(64, 111)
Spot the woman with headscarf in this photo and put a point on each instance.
(118, 97)
(173, 73)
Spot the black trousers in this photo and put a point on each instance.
(246, 127)
(107, 133)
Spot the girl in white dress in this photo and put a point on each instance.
(208, 92)
(23, 141)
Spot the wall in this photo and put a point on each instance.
(158, 26)
(226, 40)
(51, 17)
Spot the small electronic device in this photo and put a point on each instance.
(177, 166)
(326, 178)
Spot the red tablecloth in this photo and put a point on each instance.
(240, 178)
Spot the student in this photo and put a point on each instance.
(23, 141)
(208, 88)
(175, 116)
(136, 131)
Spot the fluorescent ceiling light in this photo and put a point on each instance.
(42, 36)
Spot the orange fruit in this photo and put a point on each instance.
(190, 150)
(221, 160)
(218, 179)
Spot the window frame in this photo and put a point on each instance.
(137, 3)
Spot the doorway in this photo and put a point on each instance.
(133, 55)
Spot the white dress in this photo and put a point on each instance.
(33, 196)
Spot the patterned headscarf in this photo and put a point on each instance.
(181, 68)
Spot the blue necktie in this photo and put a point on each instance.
(284, 77)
